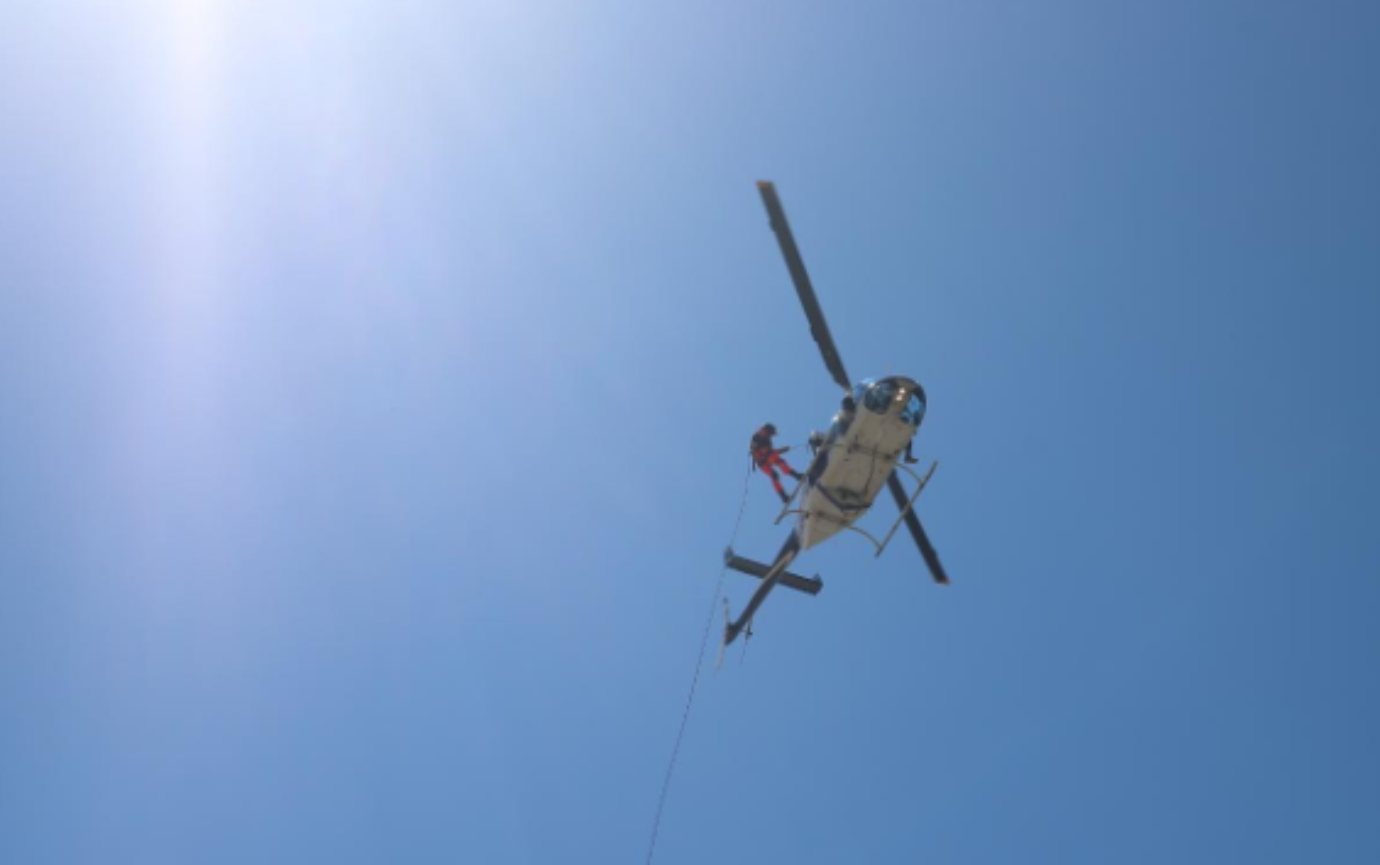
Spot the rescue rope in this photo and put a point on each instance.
(695, 680)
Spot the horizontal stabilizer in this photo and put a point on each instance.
(808, 585)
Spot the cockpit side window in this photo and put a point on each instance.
(915, 410)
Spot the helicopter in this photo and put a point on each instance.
(860, 454)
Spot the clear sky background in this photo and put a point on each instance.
(376, 379)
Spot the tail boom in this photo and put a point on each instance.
(772, 576)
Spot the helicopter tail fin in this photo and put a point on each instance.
(728, 628)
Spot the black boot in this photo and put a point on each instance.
(785, 499)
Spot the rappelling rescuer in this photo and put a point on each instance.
(768, 458)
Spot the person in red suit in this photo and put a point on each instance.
(768, 459)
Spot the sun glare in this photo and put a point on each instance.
(187, 194)
(171, 437)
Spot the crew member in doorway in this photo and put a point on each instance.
(847, 411)
(768, 459)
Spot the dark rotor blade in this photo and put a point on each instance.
(818, 327)
(917, 531)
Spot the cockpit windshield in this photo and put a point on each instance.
(878, 396)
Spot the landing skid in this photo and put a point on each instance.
(881, 547)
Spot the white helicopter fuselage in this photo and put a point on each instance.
(859, 453)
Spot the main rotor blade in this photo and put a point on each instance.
(917, 531)
(818, 327)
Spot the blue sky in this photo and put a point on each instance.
(375, 383)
